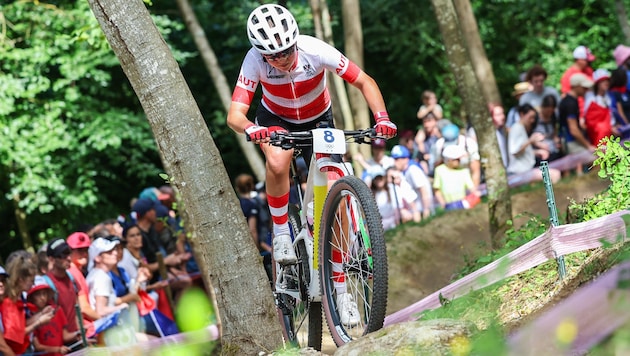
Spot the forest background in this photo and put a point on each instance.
(75, 145)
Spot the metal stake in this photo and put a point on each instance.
(553, 211)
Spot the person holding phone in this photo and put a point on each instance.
(49, 338)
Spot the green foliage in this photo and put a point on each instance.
(613, 159)
(76, 144)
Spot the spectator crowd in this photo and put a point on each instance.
(74, 289)
(439, 167)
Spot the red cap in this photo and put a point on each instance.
(78, 240)
(38, 287)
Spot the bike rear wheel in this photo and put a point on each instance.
(300, 318)
(352, 252)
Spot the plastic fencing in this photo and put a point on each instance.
(556, 241)
(563, 164)
(580, 321)
(154, 346)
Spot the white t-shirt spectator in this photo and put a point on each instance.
(414, 175)
(100, 284)
(390, 201)
(535, 99)
(524, 161)
(130, 264)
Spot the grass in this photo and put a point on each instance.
(502, 307)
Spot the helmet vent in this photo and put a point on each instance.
(263, 34)
(278, 39)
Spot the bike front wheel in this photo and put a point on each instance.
(353, 260)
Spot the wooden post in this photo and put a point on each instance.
(164, 275)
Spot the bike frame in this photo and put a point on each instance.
(322, 172)
(348, 221)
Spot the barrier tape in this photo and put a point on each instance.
(580, 321)
(211, 333)
(556, 241)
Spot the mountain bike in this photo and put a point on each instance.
(340, 245)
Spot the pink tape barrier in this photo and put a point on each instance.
(205, 335)
(555, 242)
(581, 321)
(564, 164)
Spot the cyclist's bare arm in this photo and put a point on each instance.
(237, 117)
(370, 91)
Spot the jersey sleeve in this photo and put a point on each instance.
(248, 79)
(337, 63)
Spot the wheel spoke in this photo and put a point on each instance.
(353, 258)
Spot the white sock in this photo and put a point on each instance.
(281, 229)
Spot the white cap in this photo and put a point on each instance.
(99, 246)
(580, 80)
(376, 170)
(453, 152)
(582, 52)
(601, 74)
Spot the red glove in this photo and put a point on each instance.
(385, 128)
(257, 133)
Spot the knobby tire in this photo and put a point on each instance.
(366, 280)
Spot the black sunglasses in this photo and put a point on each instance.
(280, 55)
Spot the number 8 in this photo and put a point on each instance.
(328, 136)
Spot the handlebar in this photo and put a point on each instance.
(288, 140)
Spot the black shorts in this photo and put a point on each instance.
(266, 118)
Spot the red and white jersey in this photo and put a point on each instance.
(299, 95)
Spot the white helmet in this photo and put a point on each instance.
(271, 29)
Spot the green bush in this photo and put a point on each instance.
(613, 159)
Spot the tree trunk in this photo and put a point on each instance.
(20, 218)
(622, 17)
(318, 24)
(499, 203)
(321, 17)
(223, 247)
(353, 34)
(251, 152)
(478, 57)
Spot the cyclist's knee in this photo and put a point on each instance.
(278, 164)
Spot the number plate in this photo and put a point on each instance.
(332, 141)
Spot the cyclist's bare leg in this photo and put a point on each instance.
(277, 166)
(277, 182)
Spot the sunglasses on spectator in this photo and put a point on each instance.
(280, 55)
